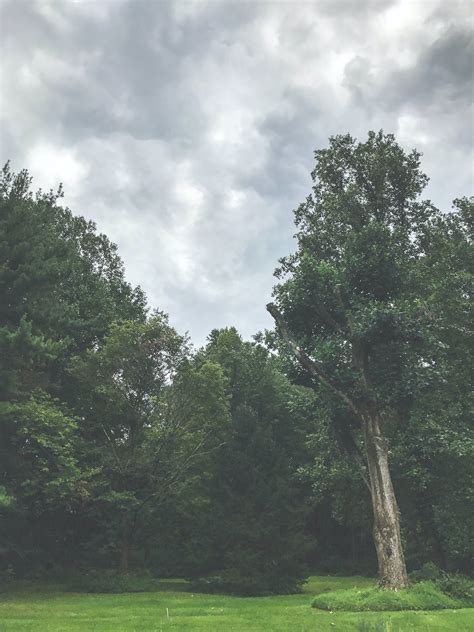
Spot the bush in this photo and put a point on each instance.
(457, 586)
(422, 596)
(233, 582)
(6, 578)
(102, 581)
(428, 572)
(453, 584)
(345, 567)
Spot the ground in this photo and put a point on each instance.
(45, 608)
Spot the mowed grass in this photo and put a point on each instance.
(47, 608)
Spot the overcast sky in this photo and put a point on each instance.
(186, 130)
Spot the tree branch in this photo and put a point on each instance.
(303, 358)
(317, 371)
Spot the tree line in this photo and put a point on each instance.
(244, 464)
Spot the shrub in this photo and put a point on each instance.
(337, 566)
(457, 586)
(102, 581)
(453, 584)
(6, 578)
(250, 584)
(422, 596)
(428, 572)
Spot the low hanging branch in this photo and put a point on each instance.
(308, 363)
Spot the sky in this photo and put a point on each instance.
(187, 130)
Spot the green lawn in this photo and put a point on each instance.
(44, 608)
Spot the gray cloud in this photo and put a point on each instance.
(441, 76)
(187, 129)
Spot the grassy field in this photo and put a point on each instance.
(46, 608)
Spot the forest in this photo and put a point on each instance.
(338, 443)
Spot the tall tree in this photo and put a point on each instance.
(433, 453)
(177, 535)
(61, 286)
(256, 513)
(350, 308)
(60, 280)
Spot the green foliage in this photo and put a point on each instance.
(383, 280)
(422, 596)
(241, 515)
(256, 513)
(428, 572)
(352, 280)
(457, 586)
(109, 581)
(23, 358)
(57, 271)
(130, 424)
(453, 584)
(5, 499)
(44, 441)
(234, 581)
(44, 482)
(116, 441)
(61, 286)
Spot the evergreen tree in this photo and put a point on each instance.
(255, 522)
(61, 287)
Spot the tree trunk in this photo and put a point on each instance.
(125, 545)
(386, 529)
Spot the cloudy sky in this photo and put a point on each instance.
(186, 130)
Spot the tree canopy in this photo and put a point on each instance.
(243, 465)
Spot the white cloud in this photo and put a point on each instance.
(51, 165)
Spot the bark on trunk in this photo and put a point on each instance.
(125, 546)
(386, 528)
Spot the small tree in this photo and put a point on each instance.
(352, 310)
(133, 440)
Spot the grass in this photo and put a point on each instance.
(39, 607)
(422, 596)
